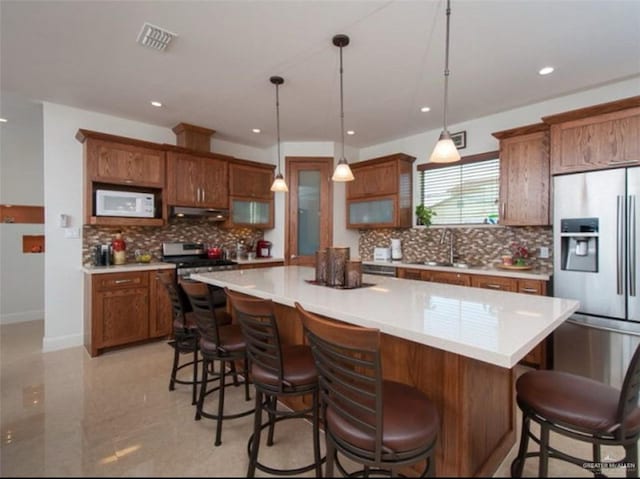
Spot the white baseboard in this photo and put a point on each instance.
(61, 342)
(21, 317)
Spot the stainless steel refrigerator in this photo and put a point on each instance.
(596, 230)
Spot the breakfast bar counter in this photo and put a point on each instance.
(455, 343)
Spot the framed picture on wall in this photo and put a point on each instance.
(459, 139)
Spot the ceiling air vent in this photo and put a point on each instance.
(155, 37)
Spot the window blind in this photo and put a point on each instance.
(464, 193)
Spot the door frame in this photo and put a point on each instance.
(326, 235)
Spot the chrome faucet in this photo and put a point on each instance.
(452, 255)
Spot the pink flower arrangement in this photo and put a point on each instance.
(519, 253)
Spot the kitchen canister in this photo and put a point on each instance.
(321, 266)
(336, 265)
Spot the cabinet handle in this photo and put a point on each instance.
(128, 181)
(504, 209)
(203, 194)
(529, 290)
(493, 286)
(122, 281)
(623, 162)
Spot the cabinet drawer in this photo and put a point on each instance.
(138, 279)
(532, 286)
(450, 278)
(494, 282)
(410, 273)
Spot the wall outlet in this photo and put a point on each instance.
(72, 233)
(544, 252)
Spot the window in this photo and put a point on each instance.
(463, 193)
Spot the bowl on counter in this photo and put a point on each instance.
(143, 256)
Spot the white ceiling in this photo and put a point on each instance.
(216, 72)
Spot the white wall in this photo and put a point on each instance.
(479, 139)
(341, 235)
(63, 193)
(21, 183)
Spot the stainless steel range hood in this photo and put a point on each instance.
(185, 212)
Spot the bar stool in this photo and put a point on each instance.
(217, 343)
(381, 424)
(581, 409)
(277, 370)
(185, 336)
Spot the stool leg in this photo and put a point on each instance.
(544, 451)
(203, 387)
(631, 457)
(174, 368)
(518, 463)
(220, 404)
(194, 389)
(272, 404)
(316, 434)
(245, 371)
(331, 455)
(597, 458)
(431, 472)
(234, 372)
(257, 428)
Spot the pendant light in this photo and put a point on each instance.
(445, 151)
(278, 183)
(342, 171)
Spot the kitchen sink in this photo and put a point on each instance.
(443, 263)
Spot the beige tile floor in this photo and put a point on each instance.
(63, 413)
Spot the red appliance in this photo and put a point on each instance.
(263, 249)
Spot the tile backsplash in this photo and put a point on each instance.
(152, 237)
(480, 245)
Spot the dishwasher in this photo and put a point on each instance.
(379, 269)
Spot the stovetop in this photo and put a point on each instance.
(196, 261)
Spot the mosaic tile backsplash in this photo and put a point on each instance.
(178, 230)
(482, 245)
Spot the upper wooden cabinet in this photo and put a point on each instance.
(197, 179)
(250, 180)
(382, 192)
(597, 137)
(118, 163)
(524, 175)
(119, 160)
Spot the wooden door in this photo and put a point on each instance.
(309, 219)
(184, 172)
(250, 181)
(214, 183)
(110, 162)
(451, 278)
(160, 308)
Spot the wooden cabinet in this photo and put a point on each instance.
(197, 179)
(382, 192)
(160, 308)
(539, 356)
(597, 137)
(260, 265)
(251, 198)
(524, 175)
(123, 308)
(124, 164)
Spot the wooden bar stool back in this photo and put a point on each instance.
(381, 424)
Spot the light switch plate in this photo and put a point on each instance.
(544, 252)
(72, 233)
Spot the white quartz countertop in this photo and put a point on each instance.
(497, 327)
(126, 268)
(259, 260)
(535, 273)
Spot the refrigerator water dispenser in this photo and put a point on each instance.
(579, 244)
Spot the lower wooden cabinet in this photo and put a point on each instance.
(260, 265)
(123, 308)
(539, 356)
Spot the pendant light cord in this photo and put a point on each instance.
(278, 124)
(341, 107)
(446, 68)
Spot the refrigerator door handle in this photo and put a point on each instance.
(619, 243)
(631, 228)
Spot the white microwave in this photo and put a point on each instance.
(124, 203)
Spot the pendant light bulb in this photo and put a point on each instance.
(278, 185)
(342, 172)
(445, 151)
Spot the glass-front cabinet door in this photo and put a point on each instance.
(367, 213)
(255, 213)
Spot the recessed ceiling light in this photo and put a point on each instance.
(157, 104)
(545, 71)
(256, 130)
(425, 109)
(3, 120)
(351, 132)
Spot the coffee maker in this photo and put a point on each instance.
(263, 249)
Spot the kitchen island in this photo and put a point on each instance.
(457, 344)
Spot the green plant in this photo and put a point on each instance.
(424, 214)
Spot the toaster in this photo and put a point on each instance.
(381, 254)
